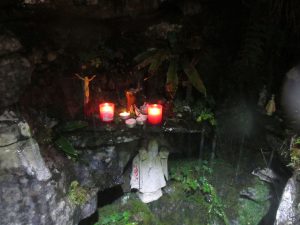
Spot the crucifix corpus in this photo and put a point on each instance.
(86, 88)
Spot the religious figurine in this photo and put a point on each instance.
(131, 99)
(270, 107)
(87, 81)
(149, 172)
(262, 97)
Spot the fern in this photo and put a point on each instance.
(174, 55)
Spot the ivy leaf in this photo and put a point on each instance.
(194, 78)
(63, 144)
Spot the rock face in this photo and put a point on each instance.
(9, 44)
(288, 212)
(35, 182)
(15, 70)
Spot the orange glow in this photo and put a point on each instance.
(154, 113)
(107, 112)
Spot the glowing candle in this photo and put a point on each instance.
(154, 113)
(124, 115)
(107, 112)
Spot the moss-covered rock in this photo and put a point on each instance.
(127, 210)
(251, 211)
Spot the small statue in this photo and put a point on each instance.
(149, 172)
(131, 98)
(87, 81)
(262, 97)
(270, 107)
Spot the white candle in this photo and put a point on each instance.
(130, 123)
(124, 115)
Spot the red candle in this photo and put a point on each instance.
(107, 112)
(154, 113)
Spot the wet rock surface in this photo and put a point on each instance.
(9, 44)
(288, 212)
(15, 70)
(35, 179)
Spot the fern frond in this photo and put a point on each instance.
(157, 60)
(194, 77)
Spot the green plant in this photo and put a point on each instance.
(297, 141)
(77, 194)
(176, 57)
(64, 145)
(192, 176)
(62, 142)
(122, 218)
(206, 115)
(295, 154)
(216, 208)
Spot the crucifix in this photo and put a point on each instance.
(86, 88)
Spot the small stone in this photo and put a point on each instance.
(25, 129)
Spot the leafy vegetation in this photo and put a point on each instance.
(122, 218)
(295, 154)
(63, 143)
(175, 56)
(192, 176)
(127, 211)
(207, 115)
(77, 194)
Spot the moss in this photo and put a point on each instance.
(181, 204)
(193, 176)
(251, 212)
(77, 194)
(139, 211)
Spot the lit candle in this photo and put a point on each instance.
(154, 113)
(107, 112)
(124, 115)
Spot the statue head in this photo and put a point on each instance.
(153, 148)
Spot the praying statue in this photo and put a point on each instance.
(150, 172)
(86, 88)
(270, 107)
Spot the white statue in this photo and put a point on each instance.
(149, 172)
(271, 107)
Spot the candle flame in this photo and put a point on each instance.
(124, 113)
(154, 111)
